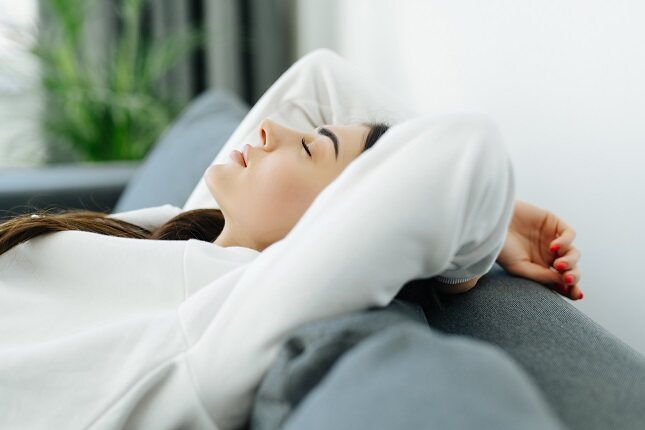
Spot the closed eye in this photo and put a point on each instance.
(306, 147)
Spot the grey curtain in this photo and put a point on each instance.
(159, 19)
(249, 43)
(168, 17)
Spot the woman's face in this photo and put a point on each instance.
(264, 200)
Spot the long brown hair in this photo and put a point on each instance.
(200, 224)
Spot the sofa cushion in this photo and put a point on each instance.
(176, 163)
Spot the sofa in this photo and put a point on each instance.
(588, 378)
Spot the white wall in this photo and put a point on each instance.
(565, 82)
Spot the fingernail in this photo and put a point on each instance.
(561, 266)
(581, 296)
(568, 279)
(555, 247)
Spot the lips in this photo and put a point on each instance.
(237, 156)
(245, 153)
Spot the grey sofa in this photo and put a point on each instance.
(590, 378)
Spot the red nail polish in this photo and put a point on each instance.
(581, 296)
(561, 266)
(568, 279)
(555, 247)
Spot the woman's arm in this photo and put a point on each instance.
(538, 246)
(435, 196)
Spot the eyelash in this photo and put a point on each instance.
(306, 147)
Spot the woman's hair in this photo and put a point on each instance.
(200, 224)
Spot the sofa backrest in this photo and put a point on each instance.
(177, 162)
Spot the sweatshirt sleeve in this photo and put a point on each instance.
(321, 88)
(434, 196)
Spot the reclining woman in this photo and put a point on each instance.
(321, 213)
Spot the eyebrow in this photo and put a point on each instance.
(330, 134)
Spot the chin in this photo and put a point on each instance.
(212, 177)
(210, 170)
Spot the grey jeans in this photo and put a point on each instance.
(385, 368)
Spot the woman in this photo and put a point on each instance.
(122, 328)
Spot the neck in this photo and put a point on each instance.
(227, 238)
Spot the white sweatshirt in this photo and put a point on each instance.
(104, 332)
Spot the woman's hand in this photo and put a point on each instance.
(538, 246)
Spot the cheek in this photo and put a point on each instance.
(285, 191)
(269, 196)
(278, 191)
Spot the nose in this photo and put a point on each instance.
(271, 133)
(274, 135)
(263, 136)
(264, 126)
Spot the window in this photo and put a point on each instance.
(20, 141)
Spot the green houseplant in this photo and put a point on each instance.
(110, 109)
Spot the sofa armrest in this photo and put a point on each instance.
(90, 186)
(591, 378)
